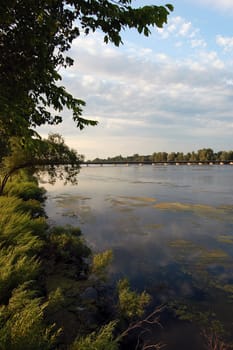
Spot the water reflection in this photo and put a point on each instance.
(170, 228)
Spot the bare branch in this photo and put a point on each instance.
(151, 319)
(213, 342)
(154, 346)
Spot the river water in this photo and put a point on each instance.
(171, 232)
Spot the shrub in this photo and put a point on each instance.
(67, 244)
(131, 304)
(22, 325)
(102, 340)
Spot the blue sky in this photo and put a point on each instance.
(170, 92)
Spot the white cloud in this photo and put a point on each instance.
(223, 5)
(212, 59)
(145, 100)
(185, 29)
(225, 42)
(229, 82)
(178, 26)
(198, 43)
(183, 32)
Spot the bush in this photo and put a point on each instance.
(67, 245)
(22, 325)
(102, 340)
(131, 304)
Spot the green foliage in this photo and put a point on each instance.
(21, 323)
(52, 156)
(34, 39)
(56, 300)
(16, 268)
(102, 340)
(100, 262)
(16, 227)
(34, 208)
(25, 186)
(25, 190)
(131, 304)
(19, 246)
(67, 245)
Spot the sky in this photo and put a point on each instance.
(170, 92)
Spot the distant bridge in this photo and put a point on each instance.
(128, 163)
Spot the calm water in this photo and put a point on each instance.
(170, 229)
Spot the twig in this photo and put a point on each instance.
(154, 346)
(213, 342)
(151, 319)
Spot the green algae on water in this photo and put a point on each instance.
(216, 213)
(129, 202)
(228, 239)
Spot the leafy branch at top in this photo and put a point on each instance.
(34, 39)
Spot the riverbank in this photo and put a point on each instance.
(54, 291)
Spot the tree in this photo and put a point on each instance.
(171, 157)
(193, 157)
(51, 155)
(160, 157)
(224, 156)
(34, 38)
(180, 157)
(205, 154)
(230, 155)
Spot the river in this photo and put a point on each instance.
(171, 232)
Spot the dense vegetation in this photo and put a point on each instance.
(202, 155)
(50, 155)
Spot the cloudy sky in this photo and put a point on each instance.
(170, 92)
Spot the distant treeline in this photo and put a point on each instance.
(202, 155)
